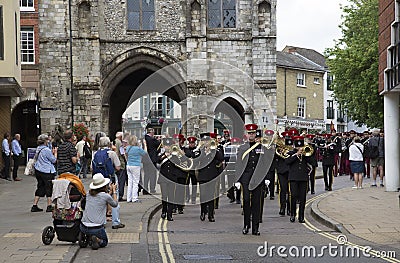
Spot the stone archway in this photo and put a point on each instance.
(24, 120)
(124, 82)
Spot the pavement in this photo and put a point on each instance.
(370, 213)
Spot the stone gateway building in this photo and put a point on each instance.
(215, 56)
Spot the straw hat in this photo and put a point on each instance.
(98, 181)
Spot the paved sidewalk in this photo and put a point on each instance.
(370, 213)
(21, 230)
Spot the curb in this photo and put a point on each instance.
(325, 220)
(147, 216)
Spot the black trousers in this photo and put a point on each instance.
(328, 175)
(271, 178)
(167, 197)
(207, 197)
(192, 178)
(122, 176)
(180, 192)
(283, 190)
(252, 206)
(17, 160)
(298, 191)
(312, 179)
(6, 169)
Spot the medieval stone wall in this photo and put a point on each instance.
(100, 36)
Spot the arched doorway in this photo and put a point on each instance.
(133, 75)
(230, 114)
(24, 120)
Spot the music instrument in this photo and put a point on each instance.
(308, 150)
(183, 163)
(281, 149)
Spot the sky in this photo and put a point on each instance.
(312, 24)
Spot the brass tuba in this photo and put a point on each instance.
(281, 149)
(183, 163)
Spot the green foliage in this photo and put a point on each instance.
(354, 63)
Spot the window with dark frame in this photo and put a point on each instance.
(221, 13)
(301, 79)
(1, 34)
(330, 113)
(141, 14)
(26, 4)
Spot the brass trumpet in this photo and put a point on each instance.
(308, 150)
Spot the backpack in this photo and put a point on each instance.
(102, 163)
(87, 153)
(373, 151)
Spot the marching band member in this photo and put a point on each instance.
(253, 162)
(309, 138)
(208, 164)
(338, 149)
(328, 162)
(192, 152)
(298, 178)
(282, 170)
(167, 180)
(181, 175)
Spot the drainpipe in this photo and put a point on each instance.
(70, 63)
(284, 95)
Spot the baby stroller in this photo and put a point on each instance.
(68, 194)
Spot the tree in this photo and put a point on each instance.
(354, 63)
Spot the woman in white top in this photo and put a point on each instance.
(356, 158)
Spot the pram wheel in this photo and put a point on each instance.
(48, 235)
(83, 240)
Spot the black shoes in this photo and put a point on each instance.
(35, 208)
(180, 211)
(313, 192)
(301, 220)
(120, 225)
(255, 232)
(163, 215)
(282, 211)
(49, 208)
(245, 230)
(95, 242)
(211, 219)
(202, 216)
(169, 218)
(271, 198)
(292, 219)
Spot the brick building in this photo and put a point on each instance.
(117, 44)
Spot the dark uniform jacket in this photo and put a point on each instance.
(328, 155)
(168, 170)
(299, 169)
(192, 153)
(252, 169)
(209, 165)
(281, 166)
(152, 147)
(338, 144)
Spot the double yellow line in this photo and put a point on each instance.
(373, 253)
(163, 242)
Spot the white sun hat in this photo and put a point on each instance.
(98, 181)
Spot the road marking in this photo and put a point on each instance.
(160, 242)
(373, 253)
(164, 241)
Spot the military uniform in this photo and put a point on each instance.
(192, 152)
(298, 178)
(253, 162)
(208, 164)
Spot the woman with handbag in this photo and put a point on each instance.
(44, 172)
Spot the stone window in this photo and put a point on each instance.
(141, 15)
(195, 16)
(26, 5)
(1, 34)
(264, 17)
(301, 107)
(85, 18)
(27, 45)
(222, 13)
